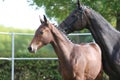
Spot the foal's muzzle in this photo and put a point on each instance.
(30, 49)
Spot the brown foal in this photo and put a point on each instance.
(76, 61)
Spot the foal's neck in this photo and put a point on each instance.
(62, 45)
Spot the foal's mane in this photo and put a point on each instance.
(61, 32)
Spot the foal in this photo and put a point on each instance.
(76, 62)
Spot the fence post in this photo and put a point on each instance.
(13, 51)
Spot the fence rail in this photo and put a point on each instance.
(13, 49)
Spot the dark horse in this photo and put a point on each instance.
(76, 61)
(104, 34)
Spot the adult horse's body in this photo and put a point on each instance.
(104, 34)
(76, 62)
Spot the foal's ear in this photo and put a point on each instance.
(41, 19)
(78, 4)
(45, 19)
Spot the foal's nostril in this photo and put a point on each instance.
(29, 48)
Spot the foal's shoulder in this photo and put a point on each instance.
(95, 46)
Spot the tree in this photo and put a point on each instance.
(110, 9)
(58, 9)
(55, 8)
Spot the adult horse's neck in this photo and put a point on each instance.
(62, 45)
(106, 36)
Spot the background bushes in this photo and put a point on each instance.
(30, 70)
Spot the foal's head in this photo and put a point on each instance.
(42, 36)
(76, 20)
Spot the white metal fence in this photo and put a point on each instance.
(12, 58)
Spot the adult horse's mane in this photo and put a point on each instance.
(101, 19)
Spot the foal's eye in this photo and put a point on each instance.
(41, 32)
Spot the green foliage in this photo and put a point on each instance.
(36, 70)
(55, 8)
(5, 70)
(81, 38)
(30, 70)
(5, 45)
